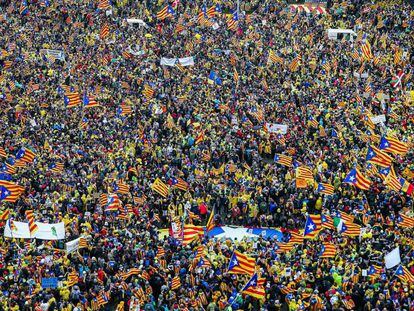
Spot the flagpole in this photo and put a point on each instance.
(238, 7)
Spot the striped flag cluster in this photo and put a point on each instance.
(175, 283)
(294, 65)
(25, 155)
(393, 145)
(56, 167)
(255, 287)
(104, 31)
(72, 279)
(180, 183)
(104, 4)
(165, 12)
(404, 221)
(376, 156)
(404, 275)
(191, 233)
(304, 172)
(83, 243)
(241, 264)
(356, 178)
(233, 21)
(5, 215)
(313, 226)
(9, 191)
(273, 58)
(148, 92)
(121, 187)
(283, 159)
(3, 152)
(32, 225)
(160, 187)
(325, 188)
(103, 298)
(284, 247)
(72, 99)
(328, 250)
(124, 110)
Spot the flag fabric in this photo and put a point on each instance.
(104, 31)
(283, 159)
(83, 243)
(241, 264)
(25, 155)
(294, 65)
(366, 50)
(180, 183)
(113, 203)
(254, 287)
(393, 145)
(328, 250)
(404, 221)
(3, 152)
(148, 92)
(175, 283)
(313, 226)
(356, 178)
(72, 278)
(23, 7)
(273, 58)
(72, 100)
(5, 215)
(233, 21)
(376, 156)
(191, 233)
(124, 110)
(327, 222)
(312, 122)
(304, 172)
(89, 101)
(235, 76)
(104, 5)
(165, 12)
(404, 275)
(121, 187)
(392, 182)
(103, 298)
(9, 191)
(160, 187)
(203, 263)
(385, 171)
(284, 247)
(374, 271)
(348, 229)
(213, 10)
(56, 167)
(32, 225)
(211, 221)
(325, 188)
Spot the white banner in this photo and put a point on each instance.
(277, 128)
(45, 232)
(185, 61)
(378, 119)
(392, 258)
(57, 54)
(168, 61)
(72, 246)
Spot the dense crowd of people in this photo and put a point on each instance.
(97, 134)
